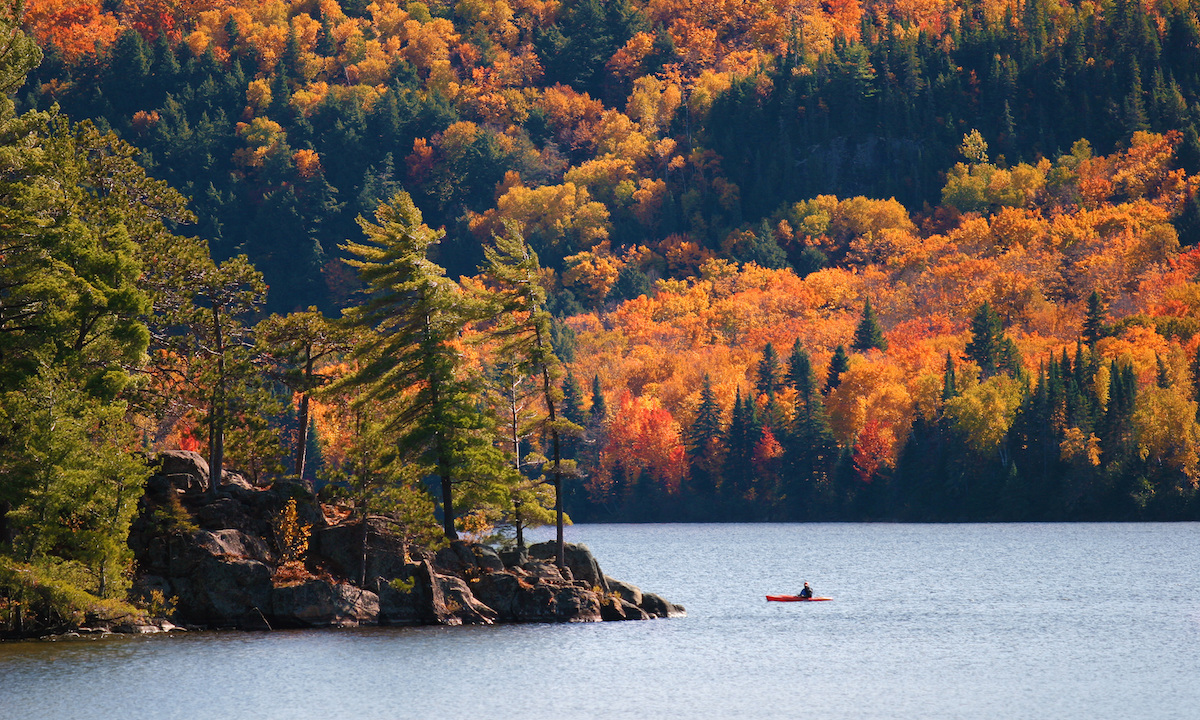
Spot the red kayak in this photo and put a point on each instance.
(795, 598)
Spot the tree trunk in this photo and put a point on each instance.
(447, 508)
(216, 435)
(302, 419)
(362, 565)
(560, 547)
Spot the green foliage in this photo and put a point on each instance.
(838, 364)
(172, 517)
(73, 486)
(869, 335)
(407, 360)
(34, 601)
(401, 585)
(990, 348)
(984, 412)
(769, 372)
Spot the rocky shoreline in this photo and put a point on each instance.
(213, 562)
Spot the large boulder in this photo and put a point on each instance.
(578, 560)
(320, 603)
(343, 546)
(543, 571)
(465, 558)
(412, 600)
(613, 607)
(220, 593)
(631, 594)
(231, 543)
(462, 604)
(656, 606)
(181, 471)
(529, 599)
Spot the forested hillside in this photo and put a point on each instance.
(659, 260)
(599, 126)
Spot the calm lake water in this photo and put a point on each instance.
(927, 621)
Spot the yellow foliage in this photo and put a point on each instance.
(1076, 445)
(291, 534)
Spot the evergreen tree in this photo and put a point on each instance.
(572, 402)
(800, 371)
(838, 364)
(989, 347)
(598, 415)
(706, 428)
(769, 372)
(1162, 377)
(810, 449)
(296, 345)
(704, 443)
(869, 334)
(949, 380)
(741, 438)
(411, 320)
(1093, 321)
(513, 273)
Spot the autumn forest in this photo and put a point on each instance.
(476, 263)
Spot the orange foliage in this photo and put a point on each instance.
(76, 27)
(642, 436)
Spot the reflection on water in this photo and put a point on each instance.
(928, 621)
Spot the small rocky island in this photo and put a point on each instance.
(214, 561)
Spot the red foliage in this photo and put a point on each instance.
(643, 435)
(870, 451)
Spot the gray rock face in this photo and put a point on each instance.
(542, 570)
(219, 593)
(234, 544)
(342, 545)
(487, 559)
(179, 470)
(530, 599)
(613, 607)
(655, 606)
(319, 603)
(578, 560)
(461, 604)
(631, 594)
(424, 604)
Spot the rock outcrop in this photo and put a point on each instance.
(215, 558)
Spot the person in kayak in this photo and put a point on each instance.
(807, 592)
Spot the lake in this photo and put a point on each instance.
(927, 621)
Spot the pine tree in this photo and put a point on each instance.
(515, 292)
(949, 381)
(296, 345)
(838, 364)
(1093, 321)
(769, 372)
(598, 415)
(707, 426)
(869, 335)
(742, 437)
(412, 318)
(810, 449)
(989, 347)
(800, 371)
(704, 441)
(572, 402)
